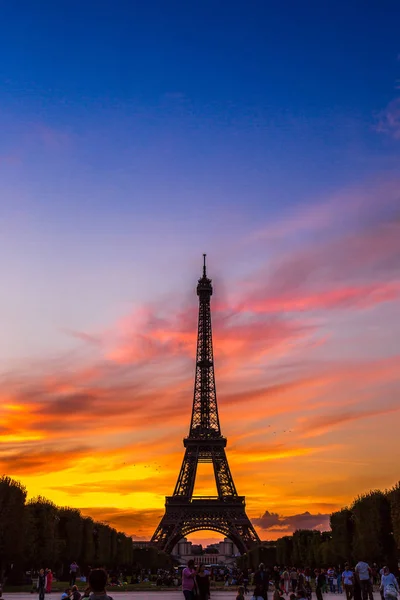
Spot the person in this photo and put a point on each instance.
(41, 584)
(293, 579)
(240, 593)
(276, 576)
(261, 583)
(339, 582)
(374, 573)
(97, 583)
(389, 585)
(203, 583)
(49, 581)
(307, 583)
(301, 580)
(348, 582)
(381, 574)
(245, 580)
(73, 570)
(188, 580)
(286, 580)
(66, 594)
(330, 574)
(357, 589)
(363, 574)
(277, 592)
(320, 582)
(75, 595)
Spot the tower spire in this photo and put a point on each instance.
(204, 266)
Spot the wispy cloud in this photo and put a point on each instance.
(389, 119)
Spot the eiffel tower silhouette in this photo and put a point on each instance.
(224, 513)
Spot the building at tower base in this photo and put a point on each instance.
(221, 553)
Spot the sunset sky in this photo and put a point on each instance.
(134, 136)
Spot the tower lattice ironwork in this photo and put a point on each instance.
(224, 513)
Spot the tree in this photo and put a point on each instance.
(12, 512)
(342, 525)
(124, 550)
(87, 557)
(305, 547)
(103, 556)
(284, 550)
(394, 501)
(70, 529)
(373, 530)
(42, 545)
(151, 558)
(326, 554)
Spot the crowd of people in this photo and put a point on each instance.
(285, 583)
(297, 584)
(96, 588)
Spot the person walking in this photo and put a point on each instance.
(339, 582)
(286, 580)
(348, 582)
(245, 580)
(203, 583)
(49, 581)
(189, 580)
(357, 589)
(363, 574)
(389, 585)
(261, 583)
(331, 574)
(293, 579)
(73, 571)
(320, 582)
(41, 584)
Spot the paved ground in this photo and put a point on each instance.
(229, 594)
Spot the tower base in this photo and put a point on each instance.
(226, 516)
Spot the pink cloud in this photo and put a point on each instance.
(271, 521)
(389, 119)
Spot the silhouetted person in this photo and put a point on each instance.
(41, 584)
(203, 583)
(363, 574)
(189, 580)
(348, 582)
(97, 583)
(389, 585)
(320, 582)
(73, 571)
(261, 582)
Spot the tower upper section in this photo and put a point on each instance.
(205, 420)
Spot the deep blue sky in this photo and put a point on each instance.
(265, 86)
(124, 124)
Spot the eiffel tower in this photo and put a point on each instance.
(185, 513)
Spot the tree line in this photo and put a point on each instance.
(367, 530)
(38, 534)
